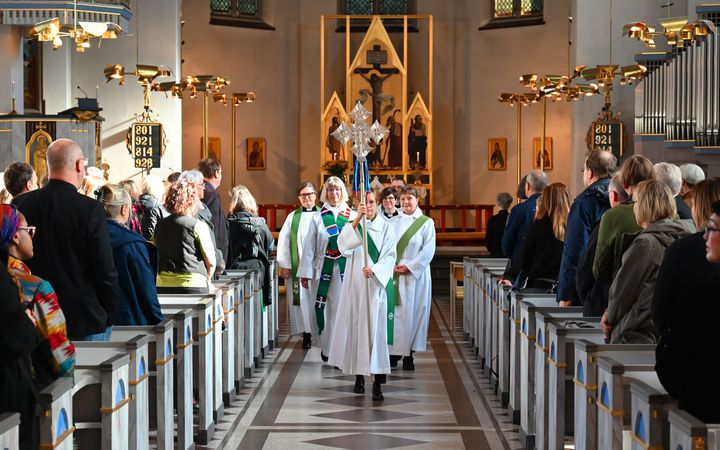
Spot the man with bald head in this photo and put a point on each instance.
(72, 246)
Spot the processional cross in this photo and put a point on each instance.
(361, 134)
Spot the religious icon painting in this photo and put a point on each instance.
(547, 162)
(497, 154)
(213, 148)
(256, 154)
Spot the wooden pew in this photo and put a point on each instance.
(492, 278)
(561, 360)
(101, 400)
(482, 321)
(56, 426)
(203, 362)
(530, 333)
(250, 327)
(241, 280)
(9, 430)
(586, 384)
(614, 406)
(689, 433)
(516, 299)
(504, 342)
(229, 287)
(136, 347)
(160, 361)
(183, 338)
(456, 291)
(650, 405)
(468, 298)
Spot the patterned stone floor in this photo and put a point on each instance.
(295, 401)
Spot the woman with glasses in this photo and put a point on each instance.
(682, 311)
(289, 252)
(627, 319)
(389, 198)
(322, 265)
(135, 259)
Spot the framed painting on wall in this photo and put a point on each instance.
(497, 154)
(213, 148)
(547, 154)
(256, 154)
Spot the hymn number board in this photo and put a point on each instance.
(607, 134)
(146, 144)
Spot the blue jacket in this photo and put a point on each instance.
(521, 216)
(135, 262)
(585, 211)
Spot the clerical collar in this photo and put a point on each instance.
(389, 216)
(308, 209)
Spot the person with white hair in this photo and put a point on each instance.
(692, 174)
(152, 196)
(670, 175)
(322, 265)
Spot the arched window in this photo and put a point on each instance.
(238, 13)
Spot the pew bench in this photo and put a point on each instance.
(56, 426)
(689, 433)
(9, 430)
(650, 405)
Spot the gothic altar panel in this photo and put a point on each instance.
(377, 76)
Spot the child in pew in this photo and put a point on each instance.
(55, 356)
(135, 261)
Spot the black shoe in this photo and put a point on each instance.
(394, 360)
(323, 357)
(307, 339)
(408, 363)
(377, 394)
(359, 387)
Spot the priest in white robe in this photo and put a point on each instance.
(289, 252)
(322, 265)
(415, 235)
(360, 337)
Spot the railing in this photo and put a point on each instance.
(454, 224)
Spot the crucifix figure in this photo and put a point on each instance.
(378, 57)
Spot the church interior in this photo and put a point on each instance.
(459, 99)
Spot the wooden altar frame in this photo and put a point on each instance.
(407, 170)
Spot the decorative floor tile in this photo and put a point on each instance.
(365, 441)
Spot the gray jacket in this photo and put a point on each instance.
(632, 290)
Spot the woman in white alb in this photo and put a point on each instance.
(322, 265)
(415, 234)
(289, 252)
(360, 336)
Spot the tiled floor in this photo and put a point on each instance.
(297, 402)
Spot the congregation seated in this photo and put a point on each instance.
(135, 260)
(542, 248)
(683, 310)
(627, 319)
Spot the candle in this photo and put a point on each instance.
(417, 154)
(12, 90)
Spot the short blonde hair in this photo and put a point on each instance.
(337, 183)
(153, 185)
(113, 197)
(242, 199)
(653, 202)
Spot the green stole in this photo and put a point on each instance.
(402, 245)
(295, 252)
(374, 254)
(332, 254)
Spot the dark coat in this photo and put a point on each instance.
(540, 255)
(18, 339)
(520, 218)
(135, 261)
(685, 312)
(683, 210)
(220, 225)
(73, 253)
(494, 233)
(585, 212)
(592, 294)
(153, 212)
(250, 245)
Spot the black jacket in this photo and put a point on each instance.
(250, 245)
(592, 294)
(18, 338)
(73, 253)
(220, 226)
(153, 212)
(494, 233)
(683, 210)
(685, 311)
(540, 254)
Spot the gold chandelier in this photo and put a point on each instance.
(677, 30)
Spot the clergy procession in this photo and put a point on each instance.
(427, 224)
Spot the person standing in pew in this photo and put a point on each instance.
(360, 336)
(496, 226)
(135, 260)
(683, 313)
(186, 254)
(542, 249)
(72, 246)
(628, 319)
(55, 356)
(289, 252)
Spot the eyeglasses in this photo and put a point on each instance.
(30, 230)
(308, 195)
(389, 198)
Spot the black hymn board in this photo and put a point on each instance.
(145, 144)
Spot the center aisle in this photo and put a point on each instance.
(303, 403)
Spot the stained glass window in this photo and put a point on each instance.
(516, 8)
(247, 7)
(369, 7)
(390, 7)
(531, 7)
(503, 8)
(220, 6)
(238, 13)
(360, 7)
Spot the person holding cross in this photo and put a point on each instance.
(362, 329)
(415, 249)
(322, 264)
